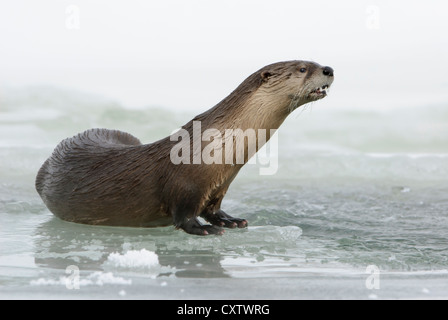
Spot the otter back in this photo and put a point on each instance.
(81, 181)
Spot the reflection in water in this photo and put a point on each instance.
(60, 244)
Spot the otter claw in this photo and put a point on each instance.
(193, 226)
(222, 219)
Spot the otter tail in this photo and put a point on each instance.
(41, 177)
(93, 139)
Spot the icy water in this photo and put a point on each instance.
(358, 209)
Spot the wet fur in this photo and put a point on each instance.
(107, 177)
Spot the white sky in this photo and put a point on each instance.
(191, 54)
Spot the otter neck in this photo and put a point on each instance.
(260, 110)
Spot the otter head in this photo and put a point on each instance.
(296, 82)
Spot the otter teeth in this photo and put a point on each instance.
(322, 89)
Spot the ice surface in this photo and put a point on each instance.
(353, 189)
(134, 259)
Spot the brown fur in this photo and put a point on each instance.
(107, 177)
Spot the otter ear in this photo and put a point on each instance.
(265, 75)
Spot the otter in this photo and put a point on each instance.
(108, 177)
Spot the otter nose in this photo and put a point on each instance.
(328, 71)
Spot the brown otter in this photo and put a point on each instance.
(108, 177)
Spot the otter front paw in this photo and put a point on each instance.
(222, 219)
(193, 226)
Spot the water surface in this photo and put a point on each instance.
(353, 189)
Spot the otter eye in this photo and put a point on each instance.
(303, 70)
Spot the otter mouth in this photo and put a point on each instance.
(321, 91)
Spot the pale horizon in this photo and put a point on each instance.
(191, 54)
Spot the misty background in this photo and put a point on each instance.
(191, 54)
